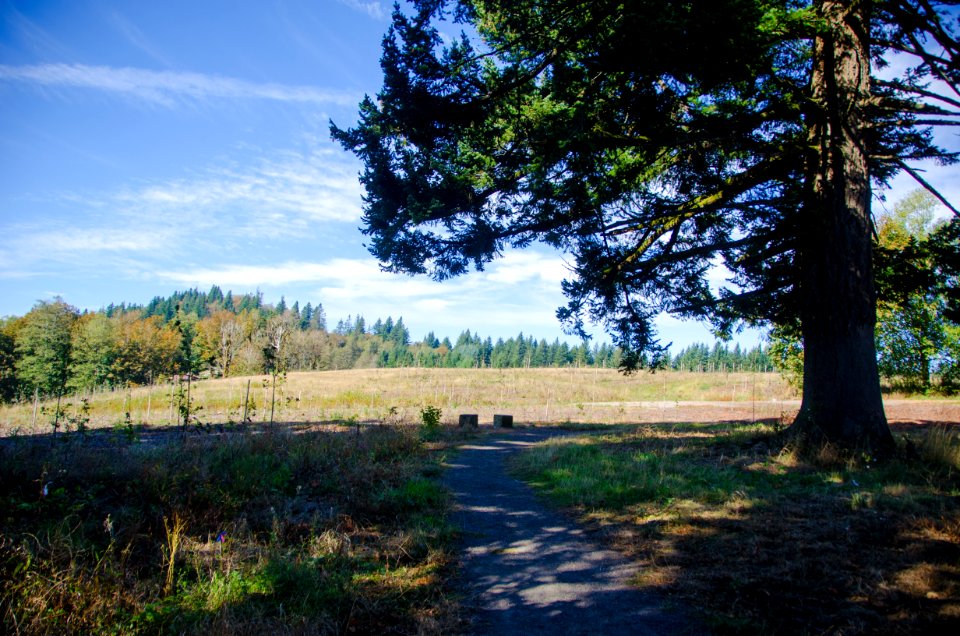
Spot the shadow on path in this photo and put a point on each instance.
(529, 570)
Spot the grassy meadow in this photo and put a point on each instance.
(333, 520)
(320, 532)
(530, 395)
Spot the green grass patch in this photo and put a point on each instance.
(596, 473)
(251, 533)
(723, 518)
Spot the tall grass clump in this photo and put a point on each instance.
(941, 447)
(270, 532)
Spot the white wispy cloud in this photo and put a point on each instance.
(287, 189)
(137, 38)
(269, 199)
(290, 272)
(79, 241)
(522, 267)
(31, 248)
(493, 299)
(352, 278)
(372, 8)
(31, 36)
(168, 88)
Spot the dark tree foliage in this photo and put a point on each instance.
(651, 140)
(944, 248)
(8, 359)
(194, 302)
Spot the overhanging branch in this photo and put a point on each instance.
(916, 175)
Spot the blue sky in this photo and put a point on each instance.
(147, 147)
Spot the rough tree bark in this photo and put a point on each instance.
(842, 402)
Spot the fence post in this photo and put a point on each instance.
(186, 417)
(246, 401)
(273, 395)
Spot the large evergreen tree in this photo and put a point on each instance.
(651, 140)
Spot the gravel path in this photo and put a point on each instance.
(529, 570)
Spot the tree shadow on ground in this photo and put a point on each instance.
(528, 569)
(764, 542)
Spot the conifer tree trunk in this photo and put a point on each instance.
(842, 402)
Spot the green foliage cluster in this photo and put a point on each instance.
(473, 351)
(430, 416)
(918, 334)
(313, 532)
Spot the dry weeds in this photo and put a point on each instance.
(531, 395)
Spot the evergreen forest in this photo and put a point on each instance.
(56, 349)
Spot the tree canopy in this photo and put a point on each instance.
(915, 336)
(654, 140)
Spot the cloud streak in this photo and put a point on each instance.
(372, 8)
(270, 199)
(357, 278)
(169, 88)
(290, 188)
(137, 38)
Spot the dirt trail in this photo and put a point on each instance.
(529, 570)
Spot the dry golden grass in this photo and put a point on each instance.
(530, 395)
(600, 396)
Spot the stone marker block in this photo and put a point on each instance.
(503, 421)
(469, 419)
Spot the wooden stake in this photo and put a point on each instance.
(56, 416)
(36, 404)
(273, 395)
(246, 400)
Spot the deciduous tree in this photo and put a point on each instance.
(93, 353)
(145, 349)
(43, 347)
(8, 360)
(914, 335)
(221, 336)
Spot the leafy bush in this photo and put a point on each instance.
(430, 416)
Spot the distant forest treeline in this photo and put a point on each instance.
(55, 348)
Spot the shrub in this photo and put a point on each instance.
(430, 416)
